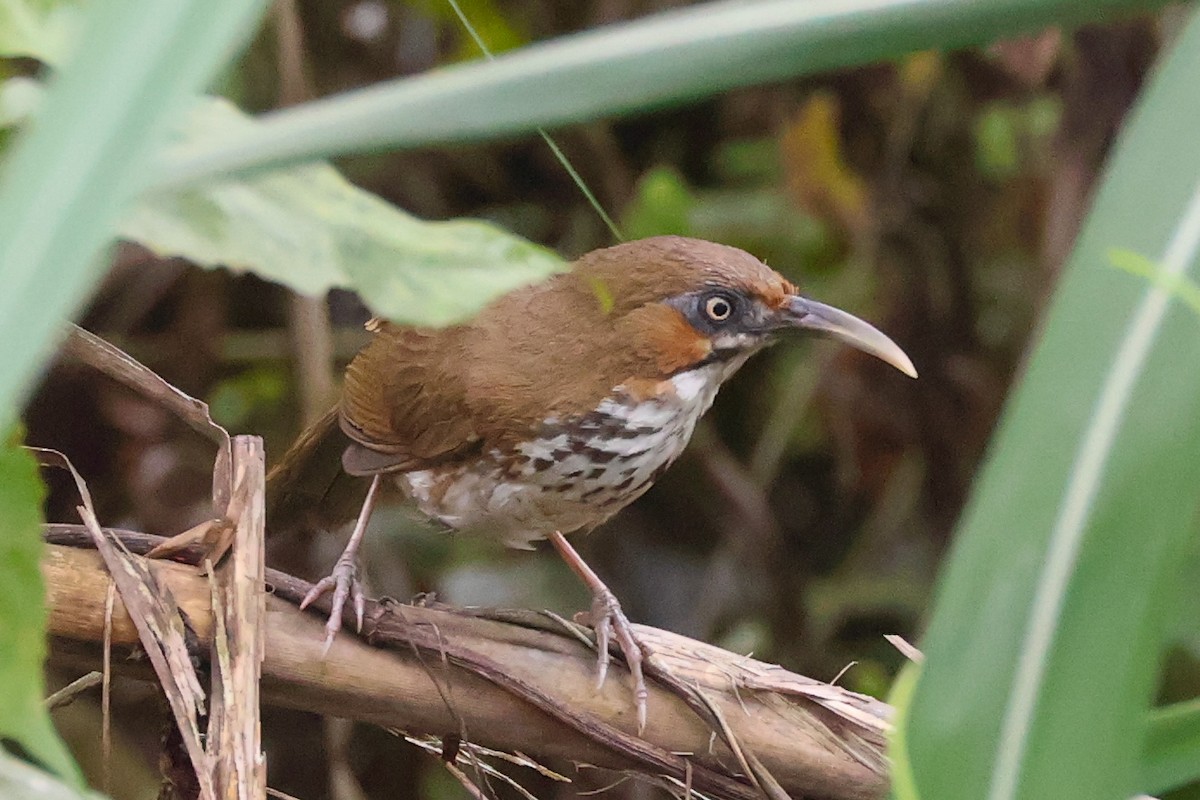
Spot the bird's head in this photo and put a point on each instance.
(697, 303)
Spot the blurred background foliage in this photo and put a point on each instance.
(937, 196)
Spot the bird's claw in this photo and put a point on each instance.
(344, 583)
(609, 622)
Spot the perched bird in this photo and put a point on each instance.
(555, 407)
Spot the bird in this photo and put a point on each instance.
(553, 408)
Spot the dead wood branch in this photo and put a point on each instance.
(517, 681)
(234, 730)
(228, 762)
(158, 625)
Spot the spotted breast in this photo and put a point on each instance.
(574, 472)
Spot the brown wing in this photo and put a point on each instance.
(404, 404)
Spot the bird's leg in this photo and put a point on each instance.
(609, 622)
(343, 580)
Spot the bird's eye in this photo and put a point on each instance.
(718, 308)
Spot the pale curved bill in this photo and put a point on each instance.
(814, 316)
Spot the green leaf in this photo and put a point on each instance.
(1172, 754)
(19, 99)
(666, 58)
(487, 17)
(78, 166)
(311, 229)
(23, 718)
(1046, 638)
(41, 29)
(22, 781)
(661, 206)
(900, 698)
(997, 141)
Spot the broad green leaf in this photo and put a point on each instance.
(23, 718)
(78, 166)
(666, 58)
(310, 228)
(1172, 754)
(41, 29)
(1045, 643)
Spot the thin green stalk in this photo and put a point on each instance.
(553, 145)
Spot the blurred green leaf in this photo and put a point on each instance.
(1010, 136)
(764, 222)
(1043, 117)
(23, 718)
(311, 229)
(22, 781)
(77, 167)
(748, 161)
(488, 19)
(665, 58)
(41, 29)
(1046, 638)
(997, 145)
(233, 401)
(19, 98)
(661, 206)
(904, 786)
(1172, 754)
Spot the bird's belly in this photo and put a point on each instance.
(573, 474)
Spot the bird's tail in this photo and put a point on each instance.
(308, 489)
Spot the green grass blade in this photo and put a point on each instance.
(23, 718)
(559, 155)
(1172, 753)
(1045, 642)
(663, 59)
(22, 781)
(84, 157)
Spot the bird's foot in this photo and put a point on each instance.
(343, 580)
(609, 623)
(344, 583)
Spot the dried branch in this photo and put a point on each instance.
(516, 681)
(157, 624)
(66, 695)
(234, 728)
